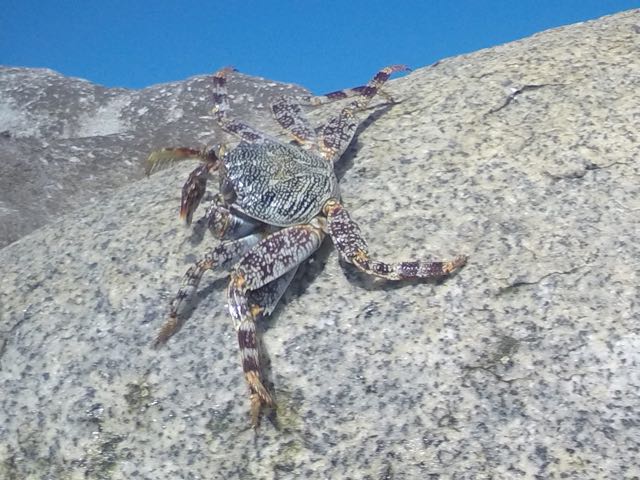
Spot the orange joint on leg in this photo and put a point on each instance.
(207, 263)
(330, 207)
(327, 152)
(454, 264)
(256, 310)
(361, 256)
(238, 280)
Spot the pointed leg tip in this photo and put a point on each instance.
(159, 341)
(399, 68)
(185, 216)
(151, 163)
(167, 330)
(224, 71)
(458, 262)
(258, 404)
(255, 409)
(188, 206)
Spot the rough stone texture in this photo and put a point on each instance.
(524, 365)
(66, 143)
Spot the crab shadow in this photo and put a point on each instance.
(346, 162)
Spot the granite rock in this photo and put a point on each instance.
(66, 143)
(523, 365)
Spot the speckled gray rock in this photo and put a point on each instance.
(66, 143)
(524, 365)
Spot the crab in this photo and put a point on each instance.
(276, 204)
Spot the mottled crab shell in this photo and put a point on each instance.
(276, 183)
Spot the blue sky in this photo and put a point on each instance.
(322, 45)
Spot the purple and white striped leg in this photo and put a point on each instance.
(261, 303)
(221, 258)
(254, 278)
(339, 131)
(288, 113)
(317, 100)
(221, 111)
(348, 240)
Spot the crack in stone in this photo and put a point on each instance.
(512, 96)
(487, 369)
(525, 283)
(505, 350)
(624, 207)
(587, 168)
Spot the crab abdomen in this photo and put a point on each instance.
(277, 183)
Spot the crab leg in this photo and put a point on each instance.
(317, 100)
(266, 298)
(220, 258)
(221, 109)
(348, 240)
(270, 259)
(261, 303)
(339, 131)
(195, 186)
(165, 157)
(337, 95)
(287, 112)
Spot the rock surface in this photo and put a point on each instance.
(524, 365)
(66, 143)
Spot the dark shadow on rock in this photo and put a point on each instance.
(347, 160)
(305, 276)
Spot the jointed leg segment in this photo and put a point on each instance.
(349, 241)
(221, 109)
(251, 306)
(221, 258)
(338, 133)
(287, 112)
(194, 189)
(266, 270)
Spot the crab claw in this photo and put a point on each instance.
(192, 192)
(195, 186)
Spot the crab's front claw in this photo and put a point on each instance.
(193, 191)
(195, 186)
